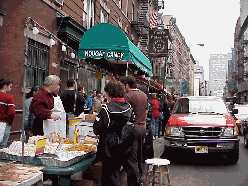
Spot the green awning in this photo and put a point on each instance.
(108, 41)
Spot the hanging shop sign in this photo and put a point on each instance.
(99, 75)
(158, 42)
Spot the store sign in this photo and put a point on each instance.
(158, 42)
(106, 54)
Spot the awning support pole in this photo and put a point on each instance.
(127, 66)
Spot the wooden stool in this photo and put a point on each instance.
(151, 175)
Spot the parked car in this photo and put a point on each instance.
(241, 116)
(202, 124)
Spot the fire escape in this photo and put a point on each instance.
(141, 23)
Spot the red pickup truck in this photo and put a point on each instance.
(202, 124)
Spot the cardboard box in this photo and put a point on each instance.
(90, 117)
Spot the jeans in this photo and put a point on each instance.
(143, 171)
(3, 144)
(155, 126)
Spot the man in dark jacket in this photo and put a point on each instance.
(68, 98)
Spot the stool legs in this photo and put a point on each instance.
(167, 172)
(150, 176)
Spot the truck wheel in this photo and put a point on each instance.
(246, 140)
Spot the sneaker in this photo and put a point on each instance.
(154, 137)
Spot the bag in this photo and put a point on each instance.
(161, 116)
(148, 150)
(2, 130)
(58, 126)
(149, 114)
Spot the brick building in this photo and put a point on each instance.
(41, 37)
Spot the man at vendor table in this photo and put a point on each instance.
(44, 102)
(139, 102)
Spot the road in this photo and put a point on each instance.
(212, 171)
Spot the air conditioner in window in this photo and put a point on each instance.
(59, 2)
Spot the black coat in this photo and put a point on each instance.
(108, 125)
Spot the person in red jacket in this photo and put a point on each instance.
(7, 111)
(43, 102)
(155, 115)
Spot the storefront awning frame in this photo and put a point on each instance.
(107, 41)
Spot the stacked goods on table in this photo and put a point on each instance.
(19, 174)
(55, 151)
(90, 117)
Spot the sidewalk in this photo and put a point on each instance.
(158, 145)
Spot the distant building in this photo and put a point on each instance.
(218, 66)
(199, 83)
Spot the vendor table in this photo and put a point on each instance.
(61, 176)
(20, 175)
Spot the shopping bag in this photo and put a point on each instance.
(2, 130)
(58, 126)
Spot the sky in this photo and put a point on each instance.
(208, 22)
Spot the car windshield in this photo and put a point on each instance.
(194, 106)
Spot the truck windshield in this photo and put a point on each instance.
(202, 106)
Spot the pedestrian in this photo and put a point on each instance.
(108, 125)
(148, 149)
(81, 90)
(73, 102)
(29, 117)
(171, 102)
(45, 104)
(166, 114)
(231, 106)
(90, 102)
(139, 103)
(155, 115)
(97, 102)
(7, 111)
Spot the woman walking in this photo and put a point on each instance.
(108, 125)
(155, 116)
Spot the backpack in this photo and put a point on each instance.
(118, 144)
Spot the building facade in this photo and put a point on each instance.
(41, 37)
(218, 67)
(241, 51)
(180, 62)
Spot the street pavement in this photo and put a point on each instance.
(202, 170)
(196, 171)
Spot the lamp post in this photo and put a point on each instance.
(163, 77)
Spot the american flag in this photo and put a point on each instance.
(155, 18)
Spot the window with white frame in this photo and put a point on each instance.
(85, 13)
(37, 63)
(120, 3)
(103, 16)
(88, 13)
(132, 12)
